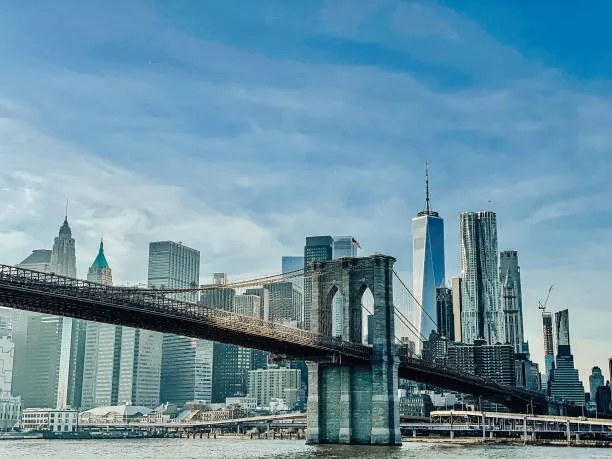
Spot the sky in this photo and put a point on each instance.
(239, 128)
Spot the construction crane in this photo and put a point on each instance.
(543, 306)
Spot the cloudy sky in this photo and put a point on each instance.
(239, 128)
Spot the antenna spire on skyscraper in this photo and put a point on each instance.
(66, 214)
(426, 187)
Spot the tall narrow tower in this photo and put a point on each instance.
(63, 256)
(549, 356)
(102, 348)
(510, 279)
(427, 262)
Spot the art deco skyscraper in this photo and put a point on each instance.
(102, 348)
(427, 263)
(512, 299)
(49, 360)
(63, 255)
(482, 315)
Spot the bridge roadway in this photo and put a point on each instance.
(153, 310)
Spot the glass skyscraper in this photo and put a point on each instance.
(510, 279)
(427, 264)
(344, 246)
(565, 383)
(316, 248)
(186, 364)
(482, 316)
(549, 352)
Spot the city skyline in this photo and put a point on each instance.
(135, 177)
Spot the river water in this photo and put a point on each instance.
(238, 448)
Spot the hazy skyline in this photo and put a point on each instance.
(240, 131)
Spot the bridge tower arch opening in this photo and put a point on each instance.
(353, 402)
(367, 317)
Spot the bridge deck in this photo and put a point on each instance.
(149, 309)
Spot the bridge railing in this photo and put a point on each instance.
(151, 301)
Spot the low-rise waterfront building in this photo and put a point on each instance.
(49, 419)
(10, 409)
(117, 414)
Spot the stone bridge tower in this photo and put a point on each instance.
(349, 402)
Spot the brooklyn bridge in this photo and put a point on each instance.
(352, 386)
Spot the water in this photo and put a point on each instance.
(237, 448)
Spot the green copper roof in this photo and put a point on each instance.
(100, 261)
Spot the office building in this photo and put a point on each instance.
(39, 260)
(435, 349)
(231, 366)
(461, 357)
(444, 313)
(482, 315)
(173, 265)
(603, 400)
(283, 303)
(344, 246)
(512, 298)
(316, 248)
(247, 305)
(427, 263)
(140, 367)
(527, 373)
(456, 292)
(7, 355)
(495, 362)
(565, 383)
(596, 380)
(275, 383)
(102, 348)
(295, 266)
(231, 363)
(186, 363)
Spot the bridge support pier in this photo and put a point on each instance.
(355, 403)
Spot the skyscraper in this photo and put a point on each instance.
(510, 280)
(230, 363)
(427, 263)
(283, 303)
(444, 313)
(102, 348)
(63, 255)
(565, 383)
(344, 246)
(50, 350)
(481, 316)
(596, 380)
(316, 248)
(186, 365)
(549, 356)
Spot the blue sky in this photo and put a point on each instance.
(241, 127)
